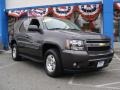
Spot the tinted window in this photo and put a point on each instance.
(35, 22)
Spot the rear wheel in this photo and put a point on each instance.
(15, 53)
(52, 63)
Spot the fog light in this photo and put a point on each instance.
(75, 64)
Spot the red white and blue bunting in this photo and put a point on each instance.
(63, 11)
(90, 12)
(117, 11)
(39, 12)
(117, 6)
(16, 13)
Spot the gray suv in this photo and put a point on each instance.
(60, 45)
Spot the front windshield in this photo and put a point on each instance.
(59, 24)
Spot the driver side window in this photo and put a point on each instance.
(35, 22)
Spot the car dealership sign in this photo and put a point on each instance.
(11, 4)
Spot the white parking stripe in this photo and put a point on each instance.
(114, 70)
(75, 84)
(117, 57)
(113, 88)
(71, 80)
(7, 65)
(94, 86)
(107, 84)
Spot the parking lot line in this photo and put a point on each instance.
(71, 80)
(113, 88)
(114, 69)
(94, 86)
(107, 84)
(71, 83)
(117, 57)
(8, 65)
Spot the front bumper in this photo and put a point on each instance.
(78, 60)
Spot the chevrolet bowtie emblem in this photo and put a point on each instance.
(102, 44)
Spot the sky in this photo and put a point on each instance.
(11, 4)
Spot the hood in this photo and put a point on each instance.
(82, 35)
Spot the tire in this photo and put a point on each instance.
(53, 66)
(15, 53)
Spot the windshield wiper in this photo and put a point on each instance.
(63, 29)
(56, 29)
(71, 29)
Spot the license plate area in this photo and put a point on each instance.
(100, 64)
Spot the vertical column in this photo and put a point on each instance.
(1, 44)
(108, 19)
(3, 25)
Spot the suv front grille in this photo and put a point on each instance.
(98, 48)
(98, 45)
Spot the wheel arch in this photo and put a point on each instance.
(13, 42)
(47, 46)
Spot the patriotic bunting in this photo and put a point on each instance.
(117, 11)
(16, 13)
(117, 6)
(117, 15)
(63, 11)
(90, 12)
(39, 12)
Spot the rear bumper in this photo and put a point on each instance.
(79, 60)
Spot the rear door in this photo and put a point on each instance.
(22, 37)
(34, 40)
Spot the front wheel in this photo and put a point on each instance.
(15, 53)
(52, 63)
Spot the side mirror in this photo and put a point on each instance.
(34, 28)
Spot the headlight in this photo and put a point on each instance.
(74, 45)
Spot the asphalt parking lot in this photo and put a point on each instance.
(28, 75)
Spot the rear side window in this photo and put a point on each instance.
(17, 26)
(24, 26)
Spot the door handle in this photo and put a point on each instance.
(26, 36)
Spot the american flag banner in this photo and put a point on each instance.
(63, 11)
(38, 12)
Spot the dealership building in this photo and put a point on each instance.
(93, 15)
